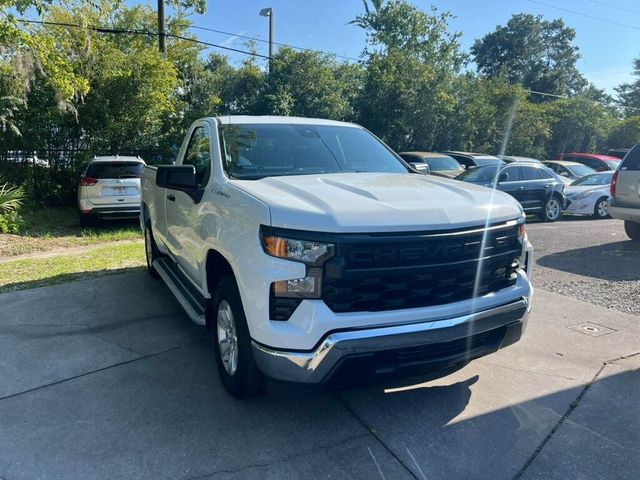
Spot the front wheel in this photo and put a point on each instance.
(238, 371)
(601, 209)
(632, 229)
(551, 210)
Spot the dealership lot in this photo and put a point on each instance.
(107, 378)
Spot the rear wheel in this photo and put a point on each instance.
(151, 250)
(85, 220)
(238, 371)
(552, 210)
(632, 229)
(601, 209)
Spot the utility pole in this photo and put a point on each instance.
(268, 12)
(162, 39)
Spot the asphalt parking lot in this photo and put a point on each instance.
(107, 378)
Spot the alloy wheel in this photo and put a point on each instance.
(227, 337)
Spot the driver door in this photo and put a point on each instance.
(182, 211)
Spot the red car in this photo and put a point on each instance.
(600, 163)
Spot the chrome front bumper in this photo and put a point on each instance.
(317, 366)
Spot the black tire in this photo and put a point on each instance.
(601, 208)
(85, 221)
(246, 380)
(550, 213)
(632, 229)
(150, 250)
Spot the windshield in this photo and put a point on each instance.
(443, 163)
(115, 170)
(481, 174)
(580, 170)
(255, 151)
(604, 179)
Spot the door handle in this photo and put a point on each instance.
(171, 197)
(547, 185)
(520, 188)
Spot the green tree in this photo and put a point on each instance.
(626, 133)
(310, 84)
(629, 93)
(537, 53)
(411, 62)
(577, 124)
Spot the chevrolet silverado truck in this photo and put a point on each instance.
(315, 255)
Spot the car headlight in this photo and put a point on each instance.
(312, 253)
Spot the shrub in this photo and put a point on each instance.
(11, 198)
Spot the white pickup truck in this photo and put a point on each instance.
(314, 254)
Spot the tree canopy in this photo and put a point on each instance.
(69, 93)
(537, 53)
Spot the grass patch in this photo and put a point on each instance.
(38, 272)
(48, 228)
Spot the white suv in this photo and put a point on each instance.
(110, 189)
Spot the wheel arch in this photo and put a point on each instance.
(216, 268)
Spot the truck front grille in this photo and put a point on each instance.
(397, 271)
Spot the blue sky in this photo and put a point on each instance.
(607, 48)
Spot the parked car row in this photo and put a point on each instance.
(577, 184)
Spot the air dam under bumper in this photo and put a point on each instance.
(429, 345)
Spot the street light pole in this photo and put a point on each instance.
(268, 12)
(162, 39)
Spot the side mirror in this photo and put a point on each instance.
(421, 167)
(177, 177)
(503, 177)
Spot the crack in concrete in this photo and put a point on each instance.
(126, 362)
(280, 460)
(373, 432)
(116, 344)
(518, 370)
(572, 406)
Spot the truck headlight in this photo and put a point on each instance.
(305, 251)
(310, 252)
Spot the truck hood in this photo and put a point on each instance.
(370, 202)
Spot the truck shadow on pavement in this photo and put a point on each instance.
(615, 261)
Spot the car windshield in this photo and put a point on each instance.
(115, 170)
(484, 161)
(254, 151)
(580, 170)
(443, 163)
(481, 174)
(604, 179)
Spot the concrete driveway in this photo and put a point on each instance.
(107, 378)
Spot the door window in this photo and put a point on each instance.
(593, 163)
(528, 173)
(511, 174)
(543, 174)
(198, 155)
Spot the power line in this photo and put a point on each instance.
(138, 32)
(266, 41)
(585, 15)
(555, 95)
(617, 7)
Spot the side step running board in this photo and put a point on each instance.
(191, 300)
